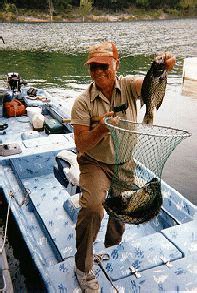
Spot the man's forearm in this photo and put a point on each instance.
(86, 139)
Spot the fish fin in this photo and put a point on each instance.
(164, 77)
(157, 107)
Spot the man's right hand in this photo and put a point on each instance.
(113, 119)
(86, 138)
(107, 114)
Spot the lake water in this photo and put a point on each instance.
(51, 56)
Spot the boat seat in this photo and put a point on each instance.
(138, 256)
(155, 251)
(181, 277)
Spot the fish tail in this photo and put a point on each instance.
(148, 119)
(149, 116)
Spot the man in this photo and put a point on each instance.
(106, 93)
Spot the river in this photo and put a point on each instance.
(51, 56)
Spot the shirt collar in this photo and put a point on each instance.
(94, 92)
(117, 84)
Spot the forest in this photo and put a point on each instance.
(94, 10)
(112, 5)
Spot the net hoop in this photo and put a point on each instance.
(177, 132)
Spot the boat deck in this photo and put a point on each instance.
(160, 255)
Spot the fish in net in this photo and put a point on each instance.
(140, 152)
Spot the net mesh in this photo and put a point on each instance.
(140, 154)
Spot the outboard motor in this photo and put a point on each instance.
(1, 102)
(14, 81)
(13, 91)
(3, 126)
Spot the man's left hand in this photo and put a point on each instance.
(169, 60)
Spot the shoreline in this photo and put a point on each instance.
(124, 17)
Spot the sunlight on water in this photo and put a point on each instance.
(140, 37)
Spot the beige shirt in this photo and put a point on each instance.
(93, 103)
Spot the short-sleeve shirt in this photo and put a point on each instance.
(93, 103)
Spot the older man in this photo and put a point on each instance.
(95, 151)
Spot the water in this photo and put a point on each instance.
(51, 56)
(132, 38)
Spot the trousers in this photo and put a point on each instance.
(94, 181)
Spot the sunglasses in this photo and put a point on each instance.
(98, 66)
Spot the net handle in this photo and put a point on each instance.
(185, 133)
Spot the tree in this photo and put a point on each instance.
(51, 9)
(142, 3)
(10, 10)
(188, 4)
(85, 7)
(61, 4)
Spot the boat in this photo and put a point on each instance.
(189, 87)
(39, 181)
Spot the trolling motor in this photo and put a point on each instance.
(13, 92)
(3, 126)
(14, 81)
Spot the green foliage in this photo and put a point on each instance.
(85, 7)
(9, 8)
(61, 5)
(188, 4)
(9, 11)
(142, 3)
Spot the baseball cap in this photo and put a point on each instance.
(102, 53)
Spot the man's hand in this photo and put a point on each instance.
(113, 119)
(108, 114)
(86, 138)
(169, 60)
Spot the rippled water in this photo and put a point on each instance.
(139, 37)
(52, 56)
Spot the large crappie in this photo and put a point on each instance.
(153, 88)
(136, 207)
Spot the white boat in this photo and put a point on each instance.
(158, 256)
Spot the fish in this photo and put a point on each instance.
(153, 88)
(136, 207)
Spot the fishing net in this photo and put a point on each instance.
(140, 154)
